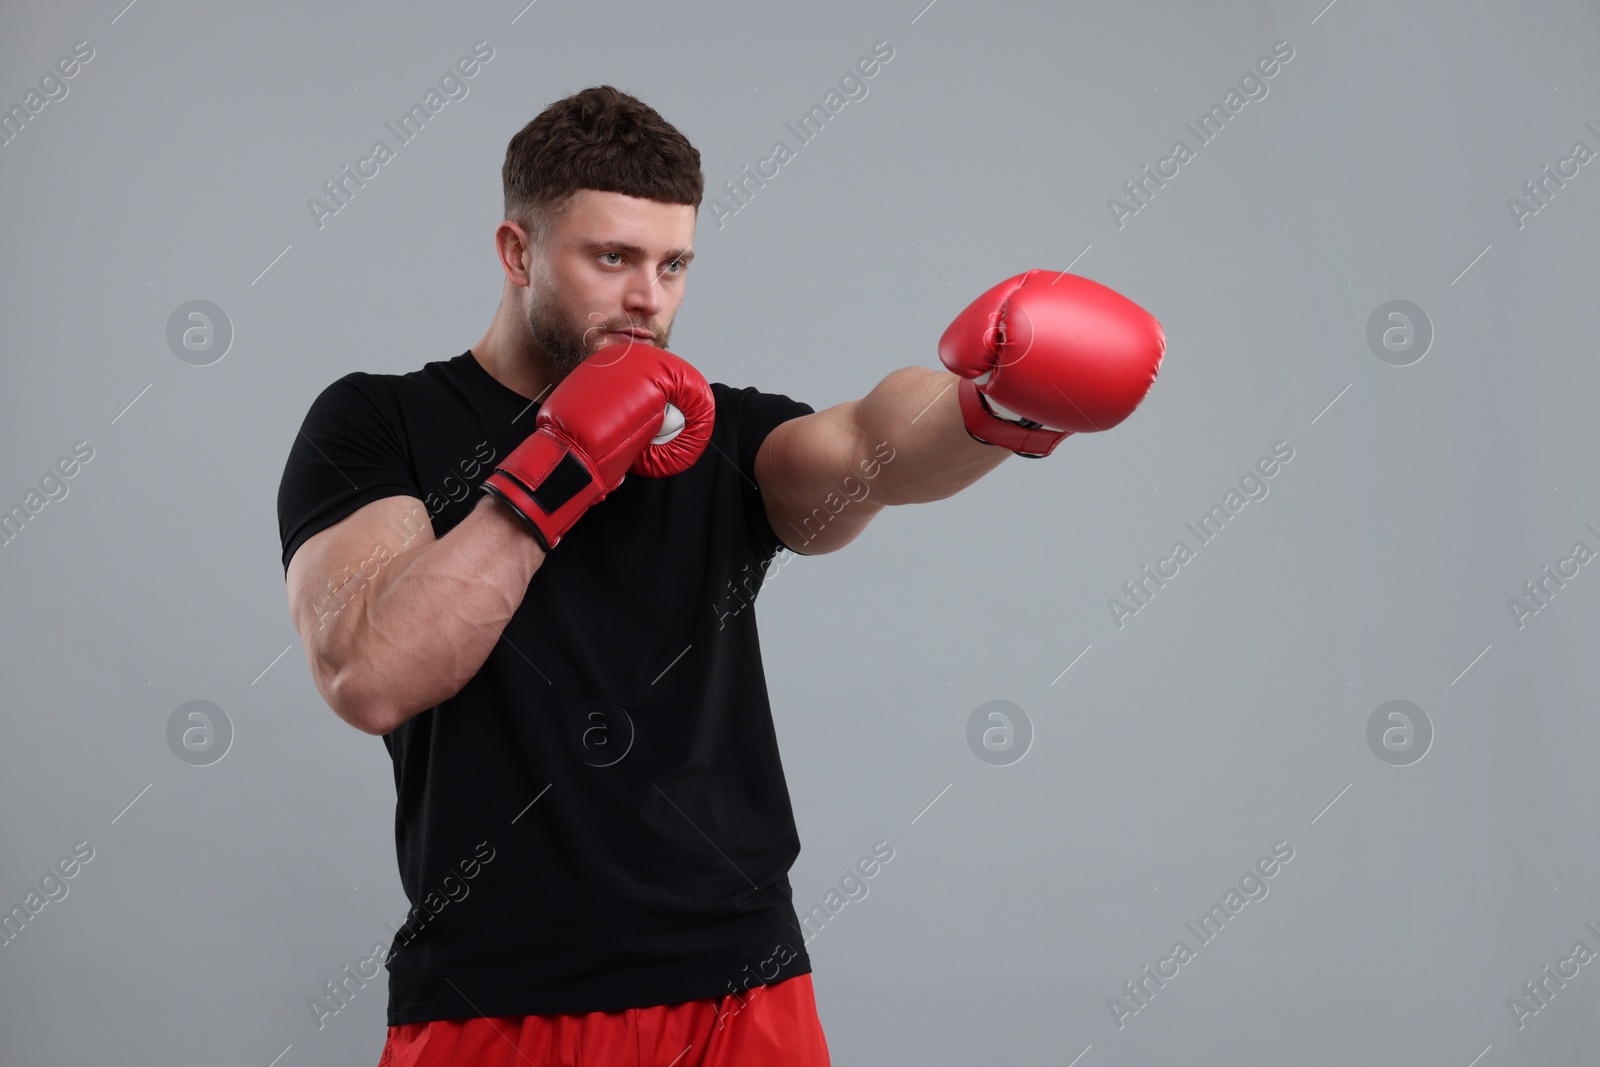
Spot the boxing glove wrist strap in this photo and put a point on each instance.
(548, 483)
(1023, 436)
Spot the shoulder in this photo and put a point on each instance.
(752, 402)
(730, 396)
(385, 390)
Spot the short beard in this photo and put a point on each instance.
(565, 343)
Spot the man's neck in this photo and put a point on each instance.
(512, 360)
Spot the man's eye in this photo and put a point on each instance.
(617, 254)
(680, 265)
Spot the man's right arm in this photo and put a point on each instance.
(387, 647)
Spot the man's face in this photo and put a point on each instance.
(611, 272)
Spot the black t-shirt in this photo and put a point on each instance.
(599, 819)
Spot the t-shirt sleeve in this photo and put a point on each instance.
(757, 414)
(348, 453)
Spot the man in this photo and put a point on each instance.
(529, 569)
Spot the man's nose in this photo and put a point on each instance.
(645, 296)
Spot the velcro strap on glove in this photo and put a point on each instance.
(548, 484)
(1025, 437)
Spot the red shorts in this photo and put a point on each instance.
(766, 1026)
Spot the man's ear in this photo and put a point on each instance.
(518, 256)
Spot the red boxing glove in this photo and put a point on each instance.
(605, 418)
(1046, 354)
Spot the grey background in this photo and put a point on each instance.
(1228, 715)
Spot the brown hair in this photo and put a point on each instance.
(602, 139)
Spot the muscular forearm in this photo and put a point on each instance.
(915, 409)
(424, 627)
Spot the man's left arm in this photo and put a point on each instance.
(1037, 358)
(825, 476)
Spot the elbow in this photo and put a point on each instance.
(353, 699)
(375, 722)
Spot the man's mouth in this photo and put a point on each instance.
(640, 336)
